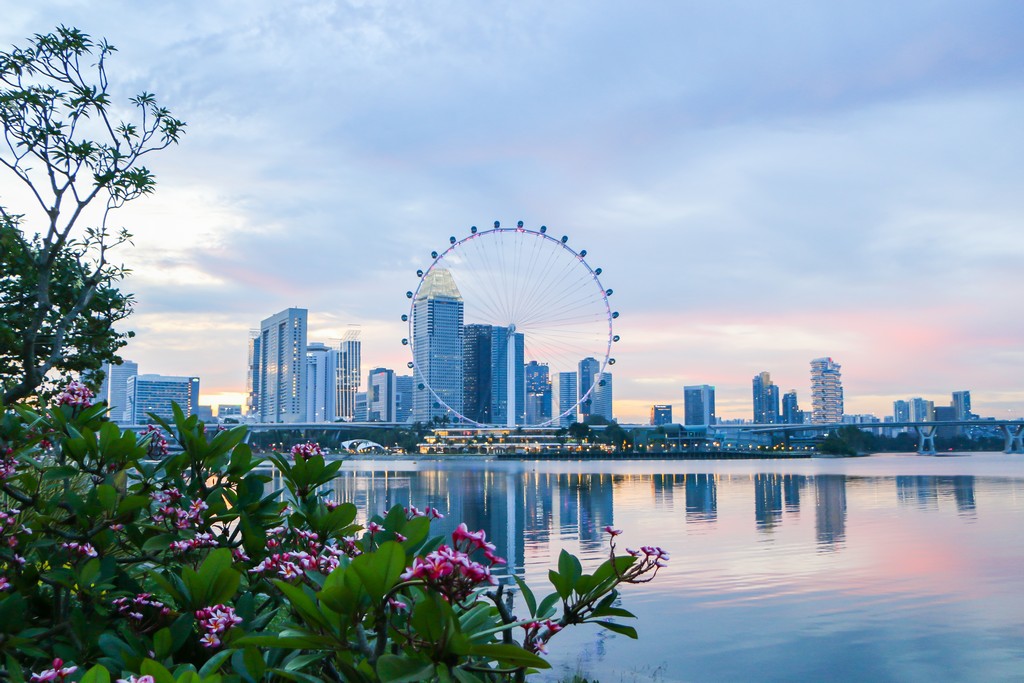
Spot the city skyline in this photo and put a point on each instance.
(760, 187)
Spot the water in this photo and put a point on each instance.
(888, 568)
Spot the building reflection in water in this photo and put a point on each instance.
(701, 498)
(830, 510)
(792, 484)
(925, 492)
(767, 500)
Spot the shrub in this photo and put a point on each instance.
(121, 558)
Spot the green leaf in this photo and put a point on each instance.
(512, 655)
(97, 674)
(618, 628)
(61, 472)
(302, 603)
(570, 568)
(215, 662)
(531, 601)
(156, 670)
(302, 661)
(379, 571)
(162, 642)
(403, 669)
(107, 497)
(547, 606)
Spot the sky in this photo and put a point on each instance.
(761, 183)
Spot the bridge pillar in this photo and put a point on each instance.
(925, 439)
(1014, 435)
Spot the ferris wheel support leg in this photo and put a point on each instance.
(510, 363)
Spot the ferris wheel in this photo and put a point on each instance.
(535, 311)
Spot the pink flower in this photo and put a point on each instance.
(58, 673)
(305, 451)
(75, 394)
(137, 679)
(613, 532)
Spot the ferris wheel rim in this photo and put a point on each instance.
(454, 244)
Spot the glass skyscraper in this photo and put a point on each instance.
(437, 345)
(282, 367)
(826, 391)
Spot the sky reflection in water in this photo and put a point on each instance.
(885, 568)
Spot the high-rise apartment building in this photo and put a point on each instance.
(922, 410)
(962, 405)
(155, 393)
(564, 395)
(252, 380)
(381, 395)
(586, 382)
(437, 343)
(403, 398)
(901, 411)
(699, 405)
(661, 414)
(349, 370)
(321, 383)
(826, 391)
(538, 393)
(282, 367)
(766, 399)
(791, 413)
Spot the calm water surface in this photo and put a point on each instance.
(887, 568)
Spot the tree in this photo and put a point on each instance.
(79, 162)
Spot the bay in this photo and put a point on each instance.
(883, 568)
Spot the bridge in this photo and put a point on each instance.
(1013, 430)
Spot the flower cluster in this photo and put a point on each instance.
(651, 559)
(142, 610)
(450, 569)
(8, 531)
(137, 679)
(80, 549)
(215, 621)
(305, 451)
(412, 512)
(59, 672)
(199, 541)
(157, 442)
(538, 633)
(175, 516)
(8, 465)
(75, 394)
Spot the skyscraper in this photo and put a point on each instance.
(922, 410)
(485, 374)
(826, 391)
(403, 398)
(155, 393)
(349, 369)
(901, 411)
(321, 383)
(791, 413)
(699, 405)
(115, 394)
(766, 399)
(962, 405)
(538, 393)
(602, 396)
(564, 396)
(586, 382)
(437, 343)
(252, 381)
(282, 367)
(381, 395)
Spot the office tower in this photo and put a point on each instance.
(564, 394)
(359, 407)
(381, 399)
(586, 381)
(962, 405)
(155, 394)
(403, 398)
(699, 405)
(538, 393)
(826, 391)
(661, 414)
(485, 373)
(791, 413)
(115, 393)
(437, 343)
(922, 410)
(766, 399)
(901, 411)
(321, 383)
(282, 367)
(348, 371)
(252, 380)
(602, 396)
